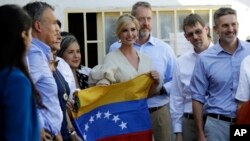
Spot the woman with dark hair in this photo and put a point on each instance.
(18, 96)
(57, 66)
(70, 52)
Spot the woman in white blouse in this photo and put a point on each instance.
(125, 63)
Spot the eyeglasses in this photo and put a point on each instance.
(197, 32)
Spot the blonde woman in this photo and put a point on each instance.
(125, 63)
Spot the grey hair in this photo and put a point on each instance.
(222, 12)
(139, 4)
(36, 9)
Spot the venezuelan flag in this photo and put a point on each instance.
(117, 112)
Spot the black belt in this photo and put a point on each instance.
(153, 109)
(221, 117)
(188, 116)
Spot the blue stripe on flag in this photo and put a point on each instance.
(120, 118)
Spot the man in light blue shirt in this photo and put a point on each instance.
(164, 60)
(44, 33)
(215, 78)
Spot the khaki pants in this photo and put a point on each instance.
(161, 124)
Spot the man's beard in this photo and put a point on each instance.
(143, 34)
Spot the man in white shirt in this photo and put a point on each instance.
(197, 33)
(243, 92)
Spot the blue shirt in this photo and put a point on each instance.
(216, 75)
(164, 61)
(18, 113)
(38, 58)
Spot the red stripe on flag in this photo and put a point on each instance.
(137, 136)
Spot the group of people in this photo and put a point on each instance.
(191, 96)
(209, 84)
(39, 71)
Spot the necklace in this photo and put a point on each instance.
(76, 79)
(65, 96)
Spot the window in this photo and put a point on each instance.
(110, 37)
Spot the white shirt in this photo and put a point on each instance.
(67, 73)
(243, 91)
(163, 61)
(116, 68)
(180, 95)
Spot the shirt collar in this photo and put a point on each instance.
(193, 52)
(151, 41)
(219, 49)
(42, 46)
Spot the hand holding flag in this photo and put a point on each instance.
(115, 112)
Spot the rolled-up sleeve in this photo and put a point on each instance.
(199, 82)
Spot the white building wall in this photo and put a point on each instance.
(242, 7)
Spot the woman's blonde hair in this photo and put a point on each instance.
(124, 20)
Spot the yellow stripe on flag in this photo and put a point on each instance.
(94, 97)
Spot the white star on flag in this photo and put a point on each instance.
(91, 119)
(116, 118)
(86, 126)
(85, 137)
(107, 115)
(98, 115)
(123, 125)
